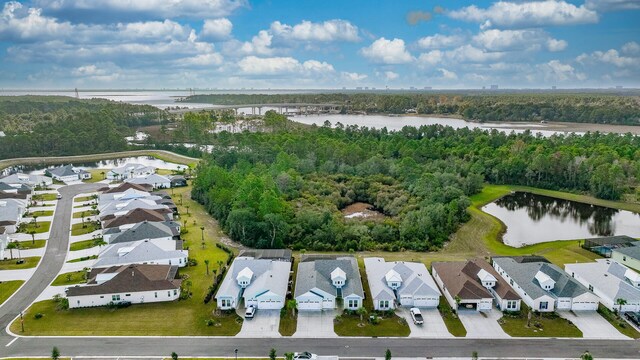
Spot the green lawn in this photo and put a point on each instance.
(389, 326)
(288, 324)
(83, 199)
(41, 227)
(92, 257)
(451, 320)
(29, 262)
(29, 244)
(45, 197)
(542, 325)
(7, 288)
(86, 228)
(150, 319)
(85, 244)
(40, 213)
(70, 278)
(618, 322)
(85, 214)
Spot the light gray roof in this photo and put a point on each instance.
(268, 275)
(28, 179)
(608, 277)
(173, 225)
(149, 179)
(141, 252)
(142, 231)
(317, 274)
(11, 209)
(523, 273)
(129, 167)
(416, 280)
(65, 170)
(630, 251)
(123, 207)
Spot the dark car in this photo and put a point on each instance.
(633, 317)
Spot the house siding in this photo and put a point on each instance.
(626, 260)
(134, 297)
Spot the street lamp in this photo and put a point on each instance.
(236, 351)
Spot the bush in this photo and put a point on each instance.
(210, 322)
(192, 262)
(38, 316)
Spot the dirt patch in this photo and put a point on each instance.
(361, 210)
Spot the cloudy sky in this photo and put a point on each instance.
(319, 43)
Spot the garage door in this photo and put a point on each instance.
(327, 304)
(309, 305)
(584, 305)
(425, 303)
(269, 304)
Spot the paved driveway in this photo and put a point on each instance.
(316, 324)
(592, 325)
(482, 325)
(263, 325)
(433, 326)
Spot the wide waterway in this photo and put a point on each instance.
(532, 219)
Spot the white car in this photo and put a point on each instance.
(250, 312)
(304, 356)
(59, 196)
(416, 315)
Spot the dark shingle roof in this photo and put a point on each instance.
(135, 216)
(130, 278)
(461, 279)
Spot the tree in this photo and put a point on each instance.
(272, 354)
(586, 356)
(206, 262)
(620, 302)
(33, 236)
(457, 300)
(292, 304)
(55, 353)
(12, 245)
(288, 356)
(387, 355)
(174, 356)
(474, 355)
(362, 312)
(35, 221)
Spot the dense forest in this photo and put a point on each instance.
(56, 125)
(566, 107)
(287, 187)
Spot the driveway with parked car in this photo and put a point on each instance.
(264, 324)
(316, 324)
(482, 325)
(433, 326)
(592, 325)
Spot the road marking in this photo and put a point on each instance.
(11, 342)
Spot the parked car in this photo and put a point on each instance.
(633, 317)
(304, 356)
(416, 315)
(59, 196)
(250, 312)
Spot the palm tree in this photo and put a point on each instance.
(33, 236)
(12, 245)
(35, 220)
(55, 353)
(220, 263)
(620, 302)
(291, 306)
(214, 271)
(206, 262)
(457, 299)
(362, 312)
(103, 175)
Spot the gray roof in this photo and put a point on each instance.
(141, 252)
(123, 207)
(523, 273)
(66, 170)
(272, 275)
(142, 231)
(607, 276)
(11, 209)
(174, 226)
(149, 179)
(632, 251)
(5, 186)
(317, 274)
(273, 254)
(416, 280)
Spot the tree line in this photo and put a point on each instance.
(565, 107)
(287, 187)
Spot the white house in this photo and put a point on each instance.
(119, 208)
(137, 284)
(610, 281)
(319, 282)
(259, 282)
(400, 283)
(543, 286)
(18, 179)
(628, 256)
(140, 252)
(11, 211)
(129, 194)
(155, 180)
(68, 173)
(158, 232)
(4, 241)
(474, 285)
(129, 171)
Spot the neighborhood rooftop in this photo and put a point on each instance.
(318, 273)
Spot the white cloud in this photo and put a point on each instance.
(511, 40)
(612, 56)
(198, 9)
(159, 30)
(385, 51)
(18, 23)
(216, 29)
(390, 75)
(259, 45)
(612, 5)
(439, 41)
(431, 58)
(327, 31)
(469, 53)
(556, 71)
(103, 72)
(631, 48)
(253, 65)
(211, 59)
(448, 75)
(526, 14)
(353, 76)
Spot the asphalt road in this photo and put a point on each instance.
(53, 258)
(53, 261)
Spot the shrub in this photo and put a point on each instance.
(210, 322)
(192, 262)
(38, 316)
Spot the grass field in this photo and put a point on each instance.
(85, 244)
(70, 278)
(7, 288)
(619, 323)
(83, 199)
(29, 262)
(41, 227)
(40, 213)
(45, 197)
(85, 214)
(350, 325)
(150, 319)
(288, 323)
(93, 257)
(451, 321)
(29, 244)
(542, 325)
(86, 228)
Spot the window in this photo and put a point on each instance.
(175, 292)
(383, 304)
(169, 293)
(512, 304)
(78, 302)
(127, 294)
(590, 287)
(115, 297)
(155, 294)
(353, 304)
(225, 303)
(511, 282)
(101, 296)
(544, 305)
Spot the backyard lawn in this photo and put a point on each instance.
(70, 278)
(40, 227)
(542, 325)
(7, 288)
(86, 228)
(151, 319)
(29, 262)
(86, 244)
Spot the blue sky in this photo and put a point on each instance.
(319, 44)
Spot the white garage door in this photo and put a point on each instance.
(425, 303)
(584, 305)
(309, 305)
(328, 304)
(269, 304)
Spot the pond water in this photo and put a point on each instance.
(532, 219)
(395, 123)
(102, 164)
